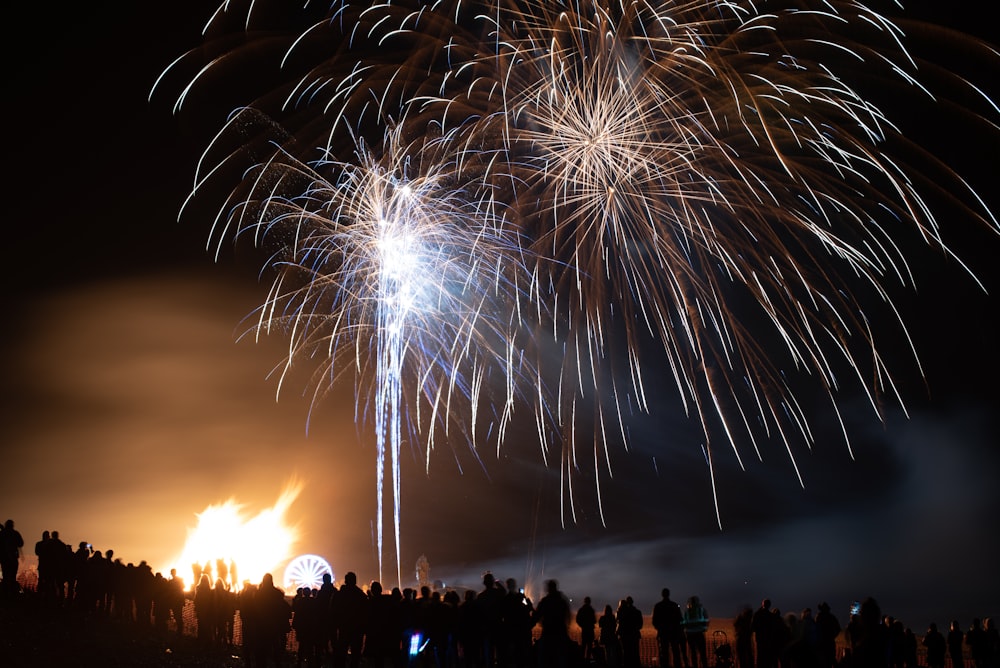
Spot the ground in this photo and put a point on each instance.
(35, 637)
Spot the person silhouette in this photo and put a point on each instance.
(204, 609)
(955, 639)
(350, 614)
(469, 634)
(827, 630)
(586, 619)
(991, 639)
(695, 625)
(553, 614)
(44, 555)
(489, 611)
(11, 543)
(629, 632)
(608, 638)
(667, 618)
(743, 632)
(516, 621)
(383, 632)
(176, 599)
(975, 640)
(766, 626)
(268, 621)
(935, 646)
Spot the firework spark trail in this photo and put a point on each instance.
(396, 284)
(386, 268)
(693, 157)
(702, 174)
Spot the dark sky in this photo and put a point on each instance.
(128, 406)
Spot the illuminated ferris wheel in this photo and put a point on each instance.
(306, 570)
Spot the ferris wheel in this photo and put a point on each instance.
(306, 570)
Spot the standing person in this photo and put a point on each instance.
(469, 635)
(143, 584)
(553, 615)
(975, 639)
(935, 645)
(62, 575)
(175, 600)
(629, 632)
(609, 638)
(327, 592)
(802, 651)
(11, 543)
(909, 648)
(695, 627)
(992, 640)
(872, 647)
(351, 618)
(268, 621)
(827, 630)
(517, 622)
(586, 619)
(955, 639)
(742, 629)
(225, 613)
(204, 609)
(667, 619)
(46, 566)
(765, 626)
(307, 621)
(489, 612)
(382, 633)
(451, 601)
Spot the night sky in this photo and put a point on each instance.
(128, 405)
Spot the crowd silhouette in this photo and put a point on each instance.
(492, 626)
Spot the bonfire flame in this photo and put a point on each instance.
(229, 545)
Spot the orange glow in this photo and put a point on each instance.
(248, 546)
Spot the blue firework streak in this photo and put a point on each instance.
(387, 270)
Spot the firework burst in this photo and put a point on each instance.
(385, 269)
(703, 173)
(707, 175)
